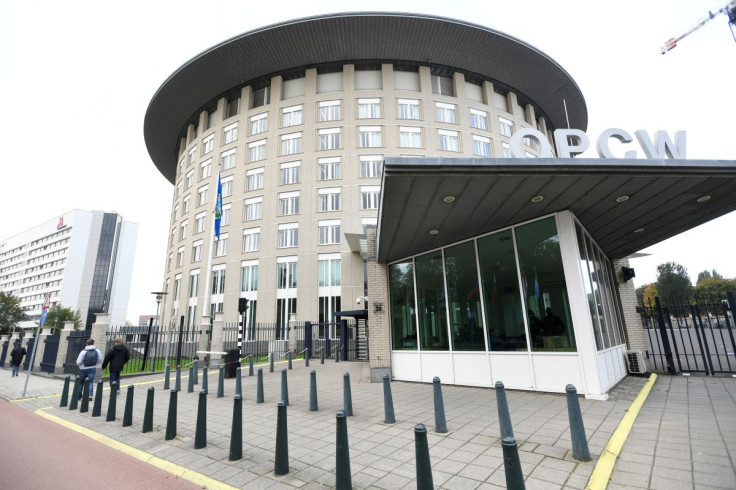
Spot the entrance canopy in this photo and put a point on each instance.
(625, 204)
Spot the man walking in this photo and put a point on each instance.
(116, 358)
(16, 357)
(87, 361)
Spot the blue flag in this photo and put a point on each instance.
(218, 207)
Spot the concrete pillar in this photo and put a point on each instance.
(204, 338)
(63, 347)
(378, 318)
(217, 335)
(633, 329)
(45, 332)
(99, 335)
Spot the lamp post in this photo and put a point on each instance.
(159, 296)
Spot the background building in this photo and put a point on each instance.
(83, 258)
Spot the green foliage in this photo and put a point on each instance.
(10, 312)
(716, 286)
(640, 291)
(650, 292)
(706, 274)
(57, 315)
(673, 281)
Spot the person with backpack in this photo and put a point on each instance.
(87, 361)
(116, 358)
(16, 357)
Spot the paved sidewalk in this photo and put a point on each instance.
(382, 456)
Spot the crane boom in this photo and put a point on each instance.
(729, 9)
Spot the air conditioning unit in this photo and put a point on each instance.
(635, 362)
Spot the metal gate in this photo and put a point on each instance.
(77, 342)
(48, 363)
(4, 353)
(29, 350)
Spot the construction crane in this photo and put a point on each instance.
(729, 9)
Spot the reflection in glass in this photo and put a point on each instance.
(586, 274)
(403, 317)
(504, 319)
(431, 302)
(464, 294)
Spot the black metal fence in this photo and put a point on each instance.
(691, 334)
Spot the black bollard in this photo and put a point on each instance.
(512, 465)
(388, 401)
(205, 379)
(322, 355)
(343, 477)
(74, 403)
(200, 434)
(190, 385)
(65, 392)
(440, 425)
(306, 357)
(148, 414)
(167, 377)
(270, 360)
(236, 435)
(250, 365)
(238, 383)
(84, 405)
(196, 371)
(97, 408)
(111, 404)
(128, 412)
(177, 381)
(284, 388)
(288, 357)
(424, 466)
(347, 398)
(313, 391)
(259, 387)
(577, 429)
(221, 382)
(504, 416)
(281, 464)
(171, 419)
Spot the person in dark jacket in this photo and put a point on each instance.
(116, 358)
(16, 358)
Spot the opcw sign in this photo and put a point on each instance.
(571, 142)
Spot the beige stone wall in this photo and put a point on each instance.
(635, 336)
(378, 313)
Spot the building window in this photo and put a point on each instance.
(408, 109)
(176, 214)
(186, 204)
(289, 173)
(221, 248)
(529, 142)
(329, 232)
(288, 203)
(253, 208)
(370, 166)
(329, 110)
(194, 284)
(481, 146)
(329, 270)
(205, 169)
(168, 263)
(445, 113)
(369, 108)
(218, 282)
(291, 116)
(478, 119)
(448, 140)
(257, 151)
(505, 126)
(208, 144)
(370, 196)
(180, 257)
(197, 251)
(443, 86)
(228, 159)
(369, 136)
(202, 195)
(329, 139)
(288, 235)
(254, 179)
(291, 143)
(230, 133)
(286, 274)
(506, 150)
(199, 222)
(329, 199)
(251, 239)
(192, 155)
(259, 123)
(402, 305)
(249, 276)
(179, 188)
(261, 97)
(190, 178)
(410, 137)
(233, 108)
(329, 169)
(225, 218)
(183, 233)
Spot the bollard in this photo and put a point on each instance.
(322, 355)
(306, 357)
(236, 435)
(284, 388)
(288, 357)
(388, 401)
(190, 385)
(128, 412)
(347, 399)
(221, 382)
(512, 465)
(250, 365)
(200, 435)
(238, 383)
(577, 429)
(111, 404)
(337, 353)
(196, 371)
(313, 391)
(177, 382)
(65, 392)
(148, 414)
(281, 463)
(343, 477)
(440, 426)
(424, 467)
(97, 408)
(504, 416)
(75, 393)
(84, 405)
(259, 387)
(167, 376)
(205, 379)
(171, 419)
(270, 360)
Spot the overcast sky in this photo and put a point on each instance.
(76, 79)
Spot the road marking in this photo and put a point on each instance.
(167, 466)
(604, 467)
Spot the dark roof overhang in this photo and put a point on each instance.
(352, 37)
(491, 194)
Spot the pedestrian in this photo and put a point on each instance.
(87, 361)
(16, 357)
(116, 358)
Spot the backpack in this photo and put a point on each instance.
(90, 358)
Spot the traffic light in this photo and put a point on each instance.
(242, 305)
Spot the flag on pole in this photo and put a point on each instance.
(218, 207)
(45, 310)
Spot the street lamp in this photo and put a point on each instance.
(159, 296)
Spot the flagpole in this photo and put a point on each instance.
(216, 218)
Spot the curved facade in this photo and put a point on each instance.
(298, 118)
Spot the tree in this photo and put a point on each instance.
(673, 281)
(640, 291)
(57, 315)
(10, 312)
(650, 292)
(716, 286)
(706, 274)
